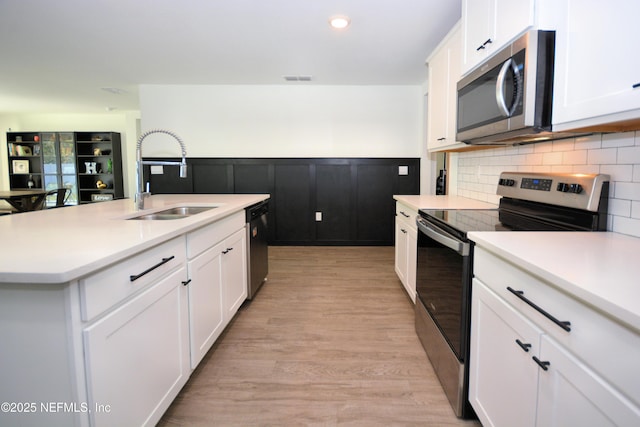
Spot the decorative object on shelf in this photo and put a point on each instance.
(30, 183)
(36, 138)
(20, 166)
(101, 197)
(97, 152)
(36, 150)
(91, 167)
(18, 138)
(101, 185)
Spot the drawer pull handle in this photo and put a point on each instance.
(441, 139)
(524, 346)
(637, 85)
(186, 282)
(133, 278)
(405, 215)
(543, 364)
(403, 230)
(520, 294)
(227, 251)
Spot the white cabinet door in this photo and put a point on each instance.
(570, 394)
(444, 73)
(137, 356)
(206, 316)
(596, 68)
(412, 256)
(401, 250)
(234, 273)
(478, 28)
(489, 25)
(503, 377)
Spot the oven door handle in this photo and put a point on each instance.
(442, 237)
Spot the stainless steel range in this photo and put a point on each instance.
(530, 202)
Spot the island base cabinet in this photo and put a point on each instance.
(234, 273)
(206, 315)
(571, 394)
(137, 356)
(217, 289)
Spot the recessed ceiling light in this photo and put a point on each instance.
(339, 22)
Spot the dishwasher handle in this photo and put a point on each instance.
(442, 237)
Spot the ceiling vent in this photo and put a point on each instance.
(298, 78)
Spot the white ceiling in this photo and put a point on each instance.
(56, 56)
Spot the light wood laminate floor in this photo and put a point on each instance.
(328, 341)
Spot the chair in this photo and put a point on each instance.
(61, 194)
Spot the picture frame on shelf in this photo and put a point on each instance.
(20, 166)
(101, 197)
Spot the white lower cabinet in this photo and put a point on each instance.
(572, 394)
(217, 288)
(527, 370)
(206, 317)
(503, 381)
(137, 357)
(406, 248)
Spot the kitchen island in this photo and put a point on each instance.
(103, 317)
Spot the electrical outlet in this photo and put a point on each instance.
(403, 170)
(318, 216)
(157, 170)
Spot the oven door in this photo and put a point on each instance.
(443, 283)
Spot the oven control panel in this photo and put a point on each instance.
(580, 191)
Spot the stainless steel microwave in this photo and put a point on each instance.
(508, 98)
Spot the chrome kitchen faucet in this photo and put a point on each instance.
(141, 194)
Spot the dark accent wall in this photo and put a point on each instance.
(355, 195)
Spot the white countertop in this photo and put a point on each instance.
(60, 245)
(600, 268)
(442, 202)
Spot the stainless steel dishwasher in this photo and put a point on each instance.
(257, 246)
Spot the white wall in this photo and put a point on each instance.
(284, 121)
(617, 155)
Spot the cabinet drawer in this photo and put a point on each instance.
(115, 284)
(203, 238)
(608, 347)
(406, 215)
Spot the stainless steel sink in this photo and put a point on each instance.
(174, 213)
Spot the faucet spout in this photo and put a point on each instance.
(141, 193)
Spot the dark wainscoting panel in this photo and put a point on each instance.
(354, 195)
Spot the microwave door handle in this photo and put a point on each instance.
(502, 75)
(460, 247)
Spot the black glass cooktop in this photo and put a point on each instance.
(460, 222)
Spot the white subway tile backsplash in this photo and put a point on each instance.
(629, 155)
(588, 142)
(552, 158)
(602, 156)
(620, 207)
(627, 190)
(575, 157)
(618, 139)
(617, 155)
(618, 172)
(635, 209)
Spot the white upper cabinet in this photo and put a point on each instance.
(488, 25)
(596, 66)
(444, 73)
